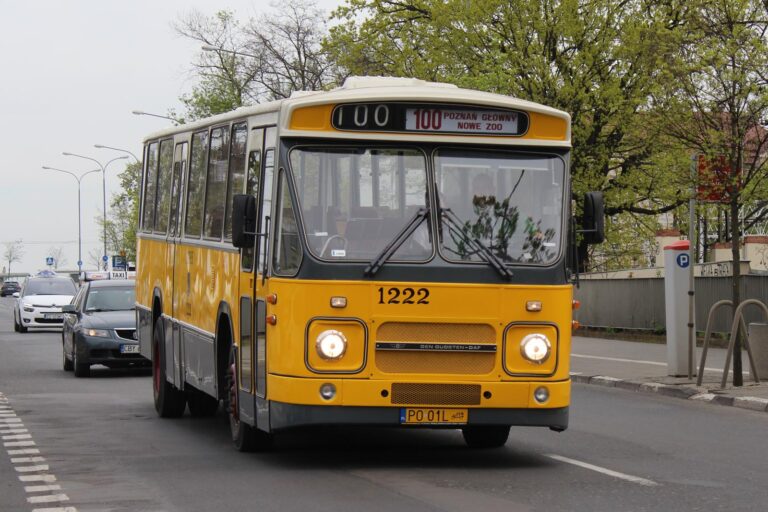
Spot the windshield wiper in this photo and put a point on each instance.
(396, 242)
(485, 252)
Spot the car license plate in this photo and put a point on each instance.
(421, 416)
(53, 316)
(129, 349)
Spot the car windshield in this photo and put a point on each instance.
(122, 298)
(506, 203)
(50, 286)
(355, 201)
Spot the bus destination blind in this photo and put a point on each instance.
(426, 118)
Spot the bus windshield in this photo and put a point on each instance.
(355, 201)
(510, 204)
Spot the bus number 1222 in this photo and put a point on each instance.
(407, 294)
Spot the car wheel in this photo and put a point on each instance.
(170, 402)
(16, 326)
(245, 437)
(66, 362)
(490, 436)
(200, 404)
(22, 329)
(82, 369)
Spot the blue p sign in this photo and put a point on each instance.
(683, 260)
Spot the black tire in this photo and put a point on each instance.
(170, 402)
(66, 362)
(200, 404)
(22, 329)
(245, 437)
(486, 436)
(16, 326)
(82, 368)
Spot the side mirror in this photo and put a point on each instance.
(594, 218)
(16, 295)
(243, 220)
(69, 308)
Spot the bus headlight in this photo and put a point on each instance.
(535, 348)
(331, 344)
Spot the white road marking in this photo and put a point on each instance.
(25, 451)
(10, 420)
(605, 471)
(20, 460)
(48, 498)
(17, 437)
(38, 478)
(32, 469)
(641, 361)
(19, 443)
(55, 509)
(13, 431)
(42, 488)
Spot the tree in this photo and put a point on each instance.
(599, 60)
(719, 102)
(263, 59)
(123, 218)
(14, 251)
(57, 253)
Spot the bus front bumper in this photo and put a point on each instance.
(283, 416)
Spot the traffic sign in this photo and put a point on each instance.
(683, 260)
(79, 263)
(49, 260)
(105, 258)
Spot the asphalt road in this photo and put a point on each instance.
(107, 450)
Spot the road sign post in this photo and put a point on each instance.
(677, 263)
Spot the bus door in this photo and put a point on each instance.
(174, 234)
(252, 306)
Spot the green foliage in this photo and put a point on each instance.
(123, 218)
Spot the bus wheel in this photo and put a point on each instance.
(200, 404)
(245, 437)
(169, 401)
(486, 436)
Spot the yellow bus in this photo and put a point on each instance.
(393, 252)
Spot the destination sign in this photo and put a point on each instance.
(429, 118)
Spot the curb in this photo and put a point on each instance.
(686, 393)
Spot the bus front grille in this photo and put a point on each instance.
(436, 361)
(435, 394)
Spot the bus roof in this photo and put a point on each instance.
(372, 89)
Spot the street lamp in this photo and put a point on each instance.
(142, 113)
(101, 146)
(104, 193)
(79, 229)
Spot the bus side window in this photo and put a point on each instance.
(216, 185)
(164, 179)
(286, 257)
(266, 202)
(236, 173)
(252, 188)
(148, 221)
(196, 185)
(179, 164)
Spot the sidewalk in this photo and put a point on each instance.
(642, 367)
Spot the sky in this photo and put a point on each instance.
(72, 73)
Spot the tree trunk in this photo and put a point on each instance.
(738, 379)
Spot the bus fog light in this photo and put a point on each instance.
(327, 391)
(331, 344)
(541, 394)
(535, 348)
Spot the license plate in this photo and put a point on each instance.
(421, 416)
(53, 316)
(129, 349)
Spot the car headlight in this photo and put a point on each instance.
(97, 333)
(535, 348)
(331, 344)
(28, 308)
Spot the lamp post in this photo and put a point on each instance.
(101, 146)
(104, 193)
(142, 113)
(79, 224)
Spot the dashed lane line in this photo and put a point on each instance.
(605, 471)
(17, 441)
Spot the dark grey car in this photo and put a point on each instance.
(100, 328)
